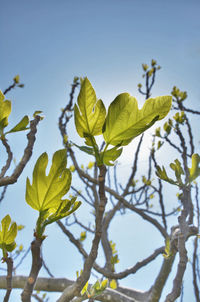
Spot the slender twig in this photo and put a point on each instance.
(45, 266)
(9, 263)
(3, 193)
(9, 159)
(194, 271)
(22, 259)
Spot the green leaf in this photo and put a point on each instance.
(109, 156)
(167, 127)
(22, 125)
(66, 208)
(195, 169)
(176, 166)
(125, 121)
(86, 149)
(161, 173)
(90, 113)
(8, 233)
(46, 191)
(5, 110)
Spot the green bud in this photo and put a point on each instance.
(153, 62)
(16, 79)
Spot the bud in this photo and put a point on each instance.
(145, 67)
(16, 79)
(150, 72)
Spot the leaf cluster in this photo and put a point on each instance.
(123, 122)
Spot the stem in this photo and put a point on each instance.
(35, 268)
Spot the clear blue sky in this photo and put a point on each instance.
(49, 42)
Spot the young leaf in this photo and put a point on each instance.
(5, 110)
(125, 121)
(104, 284)
(22, 125)
(195, 169)
(161, 173)
(109, 156)
(89, 114)
(85, 149)
(113, 284)
(66, 208)
(46, 191)
(8, 233)
(176, 166)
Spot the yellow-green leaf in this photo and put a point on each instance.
(109, 156)
(90, 113)
(5, 110)
(21, 126)
(125, 120)
(8, 233)
(113, 284)
(104, 284)
(46, 191)
(195, 169)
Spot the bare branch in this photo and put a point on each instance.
(26, 156)
(9, 263)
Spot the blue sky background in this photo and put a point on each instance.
(48, 43)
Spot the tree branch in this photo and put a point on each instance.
(35, 268)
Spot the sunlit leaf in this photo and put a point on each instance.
(90, 113)
(88, 150)
(8, 233)
(66, 208)
(46, 191)
(125, 121)
(5, 110)
(109, 156)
